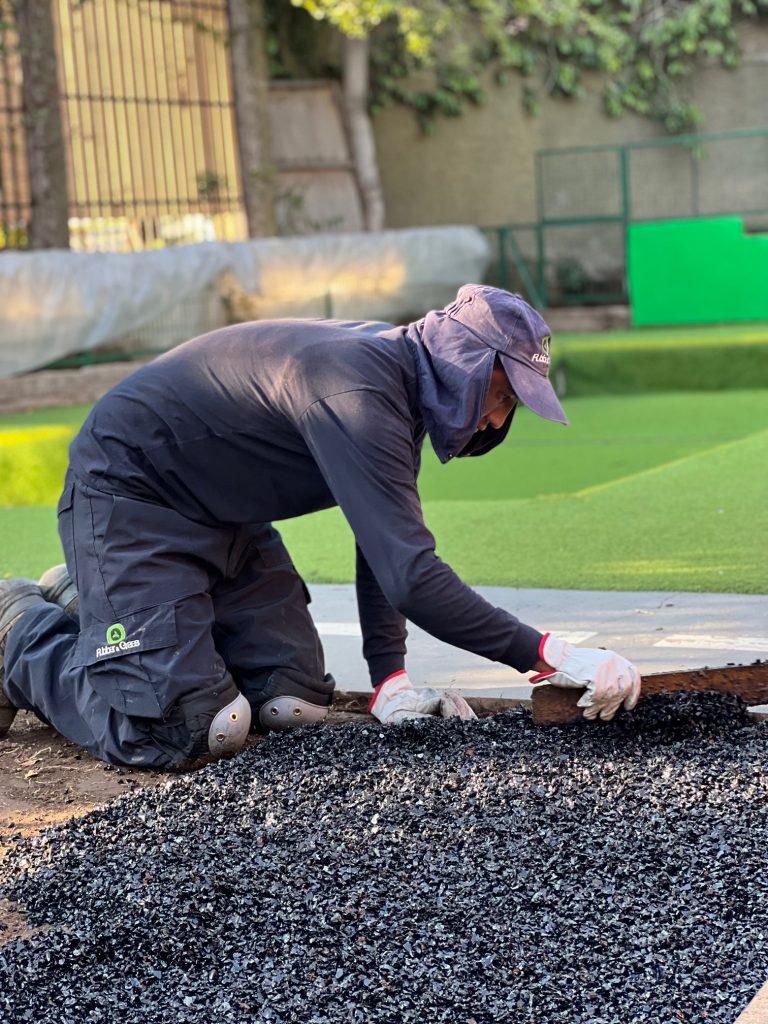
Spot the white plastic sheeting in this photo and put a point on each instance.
(389, 275)
(55, 303)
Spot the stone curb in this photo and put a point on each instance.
(757, 1011)
(46, 388)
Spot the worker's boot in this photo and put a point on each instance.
(280, 700)
(16, 597)
(58, 588)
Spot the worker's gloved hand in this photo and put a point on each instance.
(395, 700)
(609, 679)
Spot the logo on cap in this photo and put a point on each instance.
(543, 356)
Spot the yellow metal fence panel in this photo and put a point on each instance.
(14, 181)
(148, 117)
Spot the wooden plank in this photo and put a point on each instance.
(554, 705)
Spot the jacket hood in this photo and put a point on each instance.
(454, 367)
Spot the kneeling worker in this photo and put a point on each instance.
(179, 621)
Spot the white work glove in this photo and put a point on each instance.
(610, 680)
(395, 700)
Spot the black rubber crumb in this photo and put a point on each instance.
(442, 871)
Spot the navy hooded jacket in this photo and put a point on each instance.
(274, 419)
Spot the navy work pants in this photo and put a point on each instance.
(175, 618)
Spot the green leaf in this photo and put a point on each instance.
(531, 100)
(645, 48)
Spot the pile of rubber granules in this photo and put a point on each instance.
(442, 871)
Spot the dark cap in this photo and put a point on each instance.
(521, 338)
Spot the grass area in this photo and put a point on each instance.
(642, 360)
(33, 455)
(608, 438)
(662, 337)
(658, 491)
(70, 416)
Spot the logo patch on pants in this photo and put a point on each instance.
(116, 642)
(115, 634)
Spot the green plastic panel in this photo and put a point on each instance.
(706, 270)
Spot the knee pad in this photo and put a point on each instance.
(279, 701)
(229, 728)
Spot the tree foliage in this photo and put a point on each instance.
(433, 55)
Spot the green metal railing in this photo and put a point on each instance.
(587, 196)
(510, 268)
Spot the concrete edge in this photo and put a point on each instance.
(757, 1011)
(44, 389)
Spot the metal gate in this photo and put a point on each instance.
(14, 182)
(148, 120)
(575, 252)
(588, 195)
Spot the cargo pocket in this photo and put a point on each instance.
(129, 659)
(65, 501)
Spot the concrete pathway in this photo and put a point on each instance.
(657, 631)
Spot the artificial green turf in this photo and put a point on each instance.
(642, 360)
(628, 497)
(67, 415)
(33, 454)
(662, 337)
(29, 542)
(696, 524)
(608, 438)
